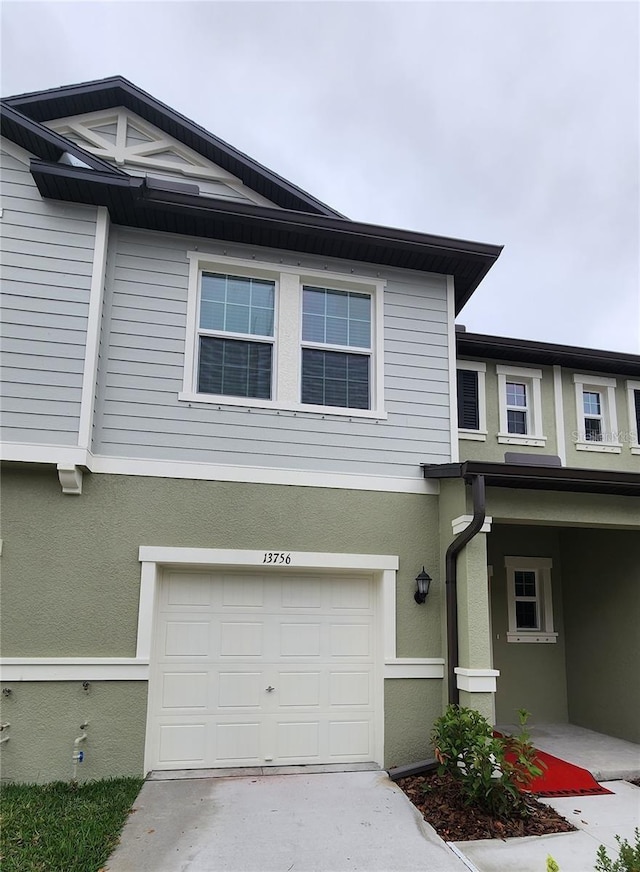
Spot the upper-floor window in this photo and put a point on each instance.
(234, 312)
(274, 336)
(336, 349)
(633, 395)
(472, 415)
(596, 414)
(520, 405)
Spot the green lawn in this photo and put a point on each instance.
(63, 827)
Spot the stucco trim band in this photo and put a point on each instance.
(408, 667)
(74, 669)
(477, 680)
(462, 522)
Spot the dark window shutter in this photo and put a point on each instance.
(468, 415)
(636, 397)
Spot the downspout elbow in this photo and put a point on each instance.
(451, 581)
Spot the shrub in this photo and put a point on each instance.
(628, 860)
(466, 748)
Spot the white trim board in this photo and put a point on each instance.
(74, 669)
(68, 455)
(451, 360)
(476, 680)
(94, 323)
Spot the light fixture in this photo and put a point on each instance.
(423, 580)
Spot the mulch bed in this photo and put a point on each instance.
(635, 781)
(439, 800)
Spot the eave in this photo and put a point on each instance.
(477, 345)
(135, 203)
(539, 478)
(110, 93)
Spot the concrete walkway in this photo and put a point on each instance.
(598, 819)
(280, 823)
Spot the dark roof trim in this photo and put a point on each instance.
(117, 91)
(39, 140)
(546, 353)
(141, 205)
(539, 478)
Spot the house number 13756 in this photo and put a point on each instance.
(276, 557)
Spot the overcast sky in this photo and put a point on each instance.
(508, 122)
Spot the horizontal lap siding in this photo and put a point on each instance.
(141, 373)
(47, 255)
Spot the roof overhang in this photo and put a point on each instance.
(553, 478)
(546, 353)
(116, 91)
(135, 203)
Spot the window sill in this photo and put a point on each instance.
(602, 447)
(516, 439)
(273, 405)
(635, 449)
(473, 435)
(531, 636)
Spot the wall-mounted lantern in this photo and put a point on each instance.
(423, 580)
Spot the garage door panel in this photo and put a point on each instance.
(243, 591)
(240, 689)
(350, 640)
(350, 689)
(298, 740)
(185, 690)
(350, 739)
(239, 743)
(300, 639)
(182, 743)
(187, 639)
(188, 590)
(264, 669)
(241, 639)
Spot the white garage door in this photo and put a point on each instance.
(262, 669)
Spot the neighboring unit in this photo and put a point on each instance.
(236, 427)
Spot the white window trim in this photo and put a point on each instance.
(479, 435)
(532, 378)
(287, 337)
(634, 435)
(606, 387)
(542, 567)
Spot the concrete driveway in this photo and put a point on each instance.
(330, 822)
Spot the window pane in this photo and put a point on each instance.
(335, 378)
(526, 615)
(313, 301)
(233, 368)
(593, 429)
(337, 331)
(336, 317)
(516, 421)
(338, 304)
(592, 405)
(211, 315)
(525, 582)
(235, 304)
(214, 287)
(516, 394)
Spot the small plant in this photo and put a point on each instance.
(627, 861)
(552, 866)
(466, 748)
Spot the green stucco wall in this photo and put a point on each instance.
(532, 675)
(601, 592)
(491, 449)
(72, 577)
(411, 707)
(45, 718)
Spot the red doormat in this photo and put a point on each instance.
(560, 778)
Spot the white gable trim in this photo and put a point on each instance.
(147, 155)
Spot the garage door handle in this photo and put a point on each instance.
(269, 689)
